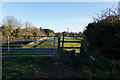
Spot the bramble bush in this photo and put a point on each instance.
(104, 36)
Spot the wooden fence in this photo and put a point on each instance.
(63, 41)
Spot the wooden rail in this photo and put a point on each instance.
(63, 41)
(71, 41)
(71, 47)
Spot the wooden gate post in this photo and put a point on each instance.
(63, 40)
(82, 45)
(58, 44)
(54, 46)
(8, 45)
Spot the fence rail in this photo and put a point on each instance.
(71, 47)
(25, 48)
(27, 36)
(73, 41)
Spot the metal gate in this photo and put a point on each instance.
(27, 45)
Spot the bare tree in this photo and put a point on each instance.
(12, 23)
(28, 24)
(28, 27)
(105, 13)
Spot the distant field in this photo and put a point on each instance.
(72, 44)
(49, 41)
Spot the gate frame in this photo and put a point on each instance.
(8, 46)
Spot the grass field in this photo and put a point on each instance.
(26, 67)
(37, 67)
(72, 44)
(62, 66)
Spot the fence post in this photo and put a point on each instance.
(63, 40)
(58, 44)
(82, 45)
(54, 46)
(32, 42)
(8, 45)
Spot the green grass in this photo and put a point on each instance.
(44, 67)
(65, 65)
(26, 67)
(79, 66)
(72, 44)
(36, 67)
(65, 44)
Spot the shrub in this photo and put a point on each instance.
(104, 36)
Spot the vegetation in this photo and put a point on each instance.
(98, 58)
(12, 26)
(71, 44)
(69, 33)
(62, 66)
(48, 31)
(102, 39)
(104, 36)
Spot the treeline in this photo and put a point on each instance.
(26, 31)
(69, 34)
(13, 26)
